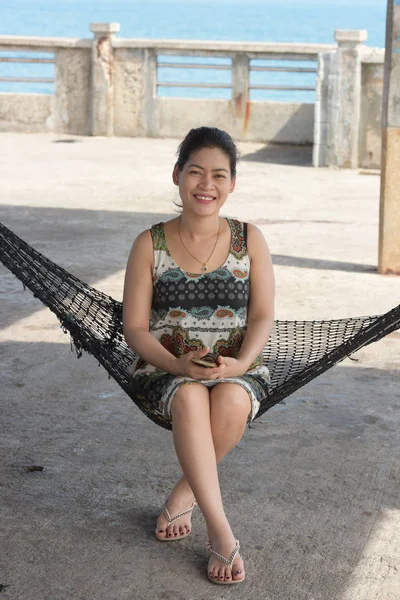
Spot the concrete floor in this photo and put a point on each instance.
(312, 490)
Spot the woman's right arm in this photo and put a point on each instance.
(138, 294)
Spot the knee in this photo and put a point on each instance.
(189, 401)
(230, 407)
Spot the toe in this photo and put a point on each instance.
(215, 572)
(238, 572)
(228, 574)
(182, 530)
(210, 568)
(161, 527)
(170, 532)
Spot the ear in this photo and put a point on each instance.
(233, 183)
(175, 174)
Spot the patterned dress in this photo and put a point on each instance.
(192, 311)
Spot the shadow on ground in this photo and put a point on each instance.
(92, 245)
(318, 263)
(282, 154)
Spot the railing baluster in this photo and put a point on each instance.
(245, 71)
(23, 60)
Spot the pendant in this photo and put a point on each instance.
(205, 269)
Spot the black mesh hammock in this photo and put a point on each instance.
(297, 352)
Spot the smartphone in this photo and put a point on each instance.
(204, 363)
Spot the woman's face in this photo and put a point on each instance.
(205, 181)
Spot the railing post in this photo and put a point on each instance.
(71, 102)
(323, 108)
(347, 118)
(240, 92)
(102, 81)
(150, 121)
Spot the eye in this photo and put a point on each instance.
(193, 172)
(221, 176)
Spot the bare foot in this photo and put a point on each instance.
(219, 570)
(178, 502)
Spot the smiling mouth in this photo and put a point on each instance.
(205, 199)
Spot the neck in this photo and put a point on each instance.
(199, 228)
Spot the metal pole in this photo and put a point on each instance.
(389, 218)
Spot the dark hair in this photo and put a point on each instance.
(207, 137)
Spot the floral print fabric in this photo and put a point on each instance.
(191, 311)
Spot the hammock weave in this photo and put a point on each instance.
(297, 352)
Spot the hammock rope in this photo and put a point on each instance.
(297, 352)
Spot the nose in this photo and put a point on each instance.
(207, 181)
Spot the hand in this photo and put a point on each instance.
(185, 367)
(233, 366)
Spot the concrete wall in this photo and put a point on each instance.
(370, 142)
(348, 108)
(108, 86)
(26, 113)
(128, 91)
(326, 98)
(280, 122)
(72, 91)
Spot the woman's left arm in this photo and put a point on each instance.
(260, 315)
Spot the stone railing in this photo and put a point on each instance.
(348, 106)
(110, 86)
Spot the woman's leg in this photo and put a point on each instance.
(199, 417)
(182, 497)
(230, 408)
(227, 428)
(194, 446)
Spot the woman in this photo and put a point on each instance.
(205, 284)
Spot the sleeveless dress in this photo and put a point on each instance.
(192, 311)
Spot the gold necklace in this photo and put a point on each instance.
(204, 267)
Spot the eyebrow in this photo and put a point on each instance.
(202, 168)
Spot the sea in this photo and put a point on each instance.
(306, 21)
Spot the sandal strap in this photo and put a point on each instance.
(226, 561)
(170, 519)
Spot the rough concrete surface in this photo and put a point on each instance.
(71, 102)
(29, 113)
(312, 490)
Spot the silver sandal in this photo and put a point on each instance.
(226, 561)
(170, 520)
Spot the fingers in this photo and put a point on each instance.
(199, 372)
(212, 373)
(203, 352)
